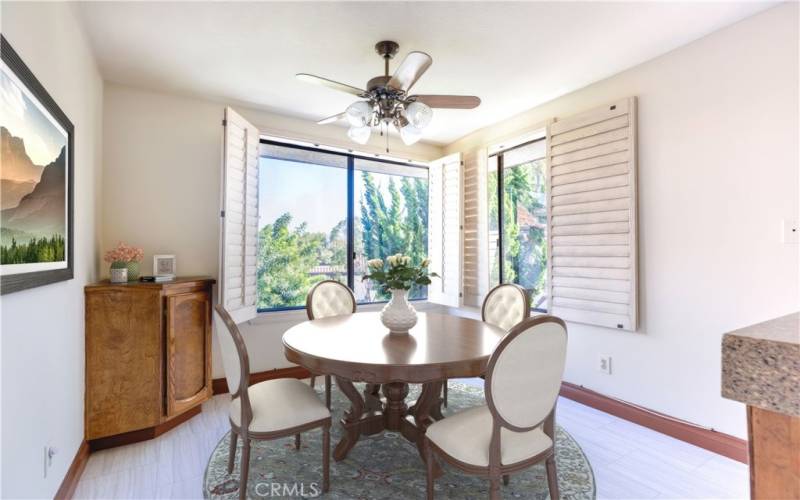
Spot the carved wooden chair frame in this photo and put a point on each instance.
(310, 313)
(496, 470)
(246, 418)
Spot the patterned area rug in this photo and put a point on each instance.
(383, 466)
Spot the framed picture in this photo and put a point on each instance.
(36, 178)
(164, 265)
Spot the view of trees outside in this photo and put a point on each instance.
(303, 230)
(524, 228)
(303, 227)
(391, 216)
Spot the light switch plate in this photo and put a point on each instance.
(791, 232)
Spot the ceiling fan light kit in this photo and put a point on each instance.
(388, 101)
(359, 134)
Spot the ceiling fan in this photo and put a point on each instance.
(388, 101)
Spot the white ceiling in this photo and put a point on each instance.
(512, 55)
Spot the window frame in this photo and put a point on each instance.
(500, 214)
(351, 160)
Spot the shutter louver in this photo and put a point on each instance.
(444, 230)
(239, 246)
(476, 265)
(592, 213)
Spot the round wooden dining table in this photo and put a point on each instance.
(358, 348)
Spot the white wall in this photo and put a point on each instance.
(161, 186)
(42, 328)
(718, 171)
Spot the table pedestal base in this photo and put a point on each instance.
(369, 415)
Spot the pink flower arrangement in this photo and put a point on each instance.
(124, 253)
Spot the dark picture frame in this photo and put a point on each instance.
(21, 281)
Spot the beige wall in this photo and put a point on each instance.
(162, 166)
(718, 171)
(42, 328)
(161, 186)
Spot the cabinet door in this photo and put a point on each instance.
(123, 361)
(188, 343)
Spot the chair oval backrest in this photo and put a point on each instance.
(234, 353)
(524, 373)
(329, 298)
(506, 305)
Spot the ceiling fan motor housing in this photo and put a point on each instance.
(378, 82)
(387, 49)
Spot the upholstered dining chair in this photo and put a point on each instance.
(516, 427)
(329, 298)
(268, 410)
(504, 306)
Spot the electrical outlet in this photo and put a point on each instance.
(49, 452)
(604, 364)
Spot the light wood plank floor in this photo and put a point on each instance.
(629, 461)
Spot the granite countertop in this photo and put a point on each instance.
(761, 365)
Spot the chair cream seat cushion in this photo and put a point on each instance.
(466, 437)
(280, 404)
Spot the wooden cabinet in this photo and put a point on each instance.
(774, 454)
(148, 357)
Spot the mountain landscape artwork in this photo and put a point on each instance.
(35, 181)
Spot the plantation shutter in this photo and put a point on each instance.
(592, 211)
(476, 263)
(444, 230)
(239, 217)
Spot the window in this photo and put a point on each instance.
(517, 223)
(391, 216)
(323, 214)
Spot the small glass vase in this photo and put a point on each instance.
(399, 315)
(132, 267)
(119, 274)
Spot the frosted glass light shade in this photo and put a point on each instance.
(359, 114)
(419, 114)
(410, 134)
(359, 134)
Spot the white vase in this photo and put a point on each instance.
(398, 315)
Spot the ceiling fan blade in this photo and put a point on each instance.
(409, 71)
(449, 101)
(342, 87)
(331, 119)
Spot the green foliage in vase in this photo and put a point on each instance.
(398, 273)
